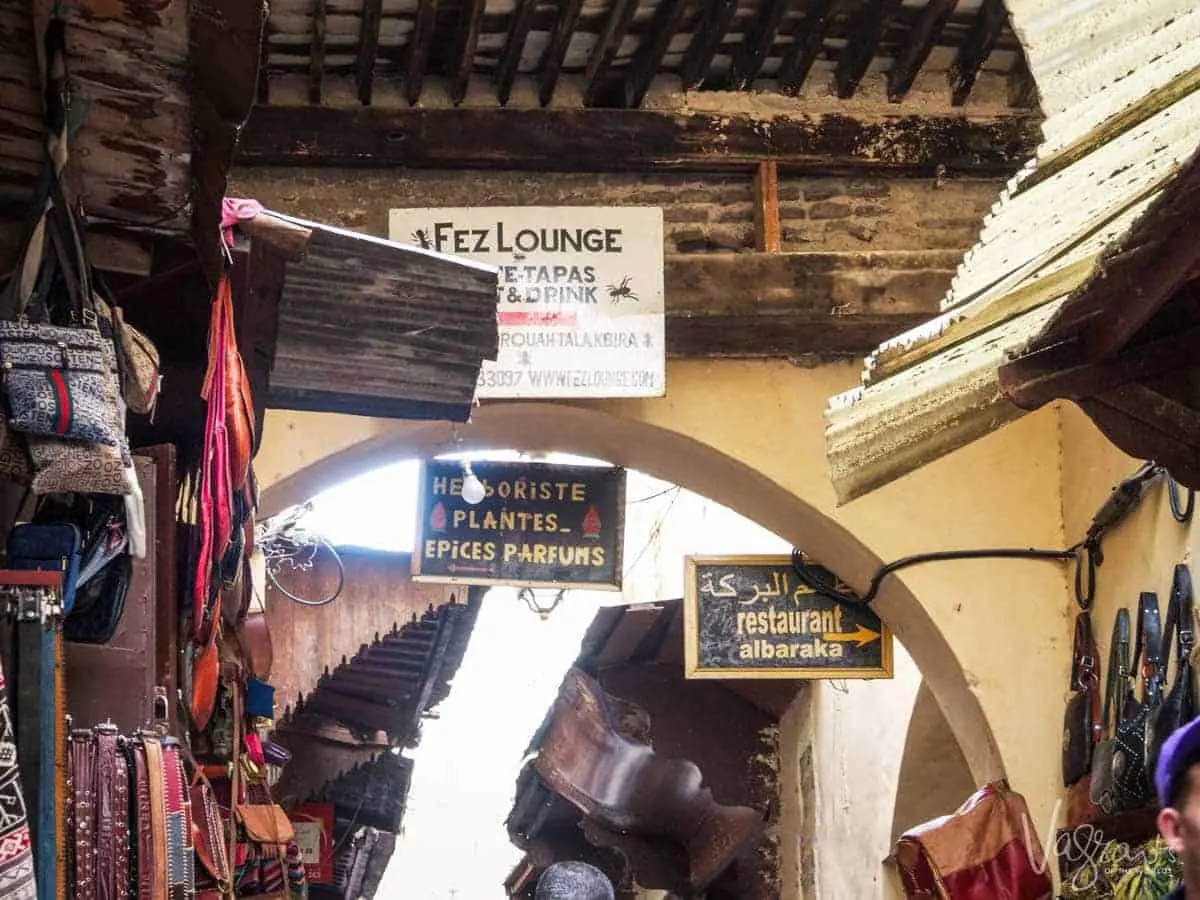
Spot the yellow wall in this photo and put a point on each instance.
(749, 435)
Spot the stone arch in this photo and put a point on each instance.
(699, 467)
(934, 775)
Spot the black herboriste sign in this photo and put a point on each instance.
(750, 617)
(538, 525)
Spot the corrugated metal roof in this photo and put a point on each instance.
(1118, 140)
(377, 327)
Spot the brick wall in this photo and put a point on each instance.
(702, 213)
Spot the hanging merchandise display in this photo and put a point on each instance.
(1082, 723)
(17, 877)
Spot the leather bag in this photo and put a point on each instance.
(988, 848)
(1133, 782)
(1082, 727)
(1118, 703)
(1179, 706)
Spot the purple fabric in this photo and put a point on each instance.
(573, 881)
(1183, 745)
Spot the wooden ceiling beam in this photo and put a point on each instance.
(605, 51)
(757, 44)
(985, 31)
(1149, 425)
(368, 49)
(650, 52)
(1022, 89)
(556, 50)
(920, 42)
(316, 59)
(1062, 372)
(706, 40)
(807, 43)
(468, 42)
(606, 140)
(856, 56)
(420, 42)
(510, 61)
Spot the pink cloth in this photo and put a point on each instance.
(234, 210)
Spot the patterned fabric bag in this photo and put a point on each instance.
(17, 879)
(61, 382)
(137, 360)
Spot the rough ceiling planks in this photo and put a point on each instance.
(618, 47)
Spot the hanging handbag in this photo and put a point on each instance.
(1133, 783)
(1179, 706)
(1118, 702)
(1081, 725)
(137, 360)
(986, 848)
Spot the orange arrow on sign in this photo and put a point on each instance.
(862, 636)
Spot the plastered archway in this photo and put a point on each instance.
(684, 460)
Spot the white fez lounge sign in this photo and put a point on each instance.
(581, 294)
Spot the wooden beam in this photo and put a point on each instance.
(602, 140)
(368, 49)
(745, 305)
(605, 51)
(510, 61)
(1061, 372)
(1022, 89)
(556, 50)
(316, 56)
(468, 41)
(1149, 425)
(757, 43)
(920, 41)
(650, 52)
(706, 40)
(766, 207)
(420, 42)
(985, 31)
(262, 85)
(856, 56)
(807, 43)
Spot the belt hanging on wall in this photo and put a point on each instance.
(34, 717)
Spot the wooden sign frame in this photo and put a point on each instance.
(792, 671)
(420, 574)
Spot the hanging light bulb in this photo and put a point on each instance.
(472, 489)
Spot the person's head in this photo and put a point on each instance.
(573, 881)
(1177, 782)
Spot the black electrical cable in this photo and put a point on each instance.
(813, 579)
(1086, 554)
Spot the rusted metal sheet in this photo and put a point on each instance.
(381, 328)
(374, 697)
(310, 641)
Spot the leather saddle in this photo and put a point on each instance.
(627, 789)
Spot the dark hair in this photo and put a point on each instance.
(1181, 781)
(573, 881)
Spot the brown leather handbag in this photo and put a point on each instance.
(1082, 725)
(987, 848)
